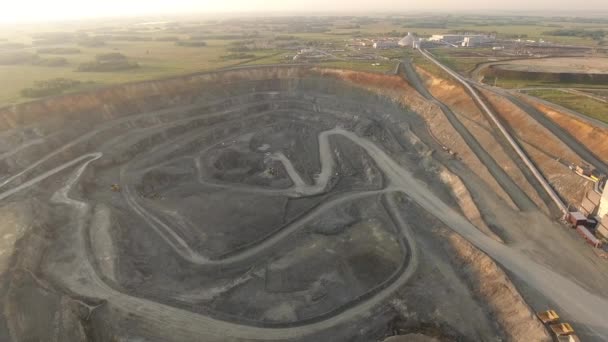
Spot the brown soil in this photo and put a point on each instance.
(559, 65)
(465, 108)
(543, 147)
(592, 136)
(437, 124)
(411, 338)
(465, 202)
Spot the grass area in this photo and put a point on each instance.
(156, 60)
(419, 60)
(582, 104)
(520, 83)
(385, 66)
(462, 65)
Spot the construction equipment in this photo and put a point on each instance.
(548, 316)
(568, 338)
(576, 218)
(115, 188)
(561, 329)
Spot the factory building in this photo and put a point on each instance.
(595, 204)
(410, 41)
(448, 38)
(602, 210)
(385, 44)
(466, 40)
(471, 41)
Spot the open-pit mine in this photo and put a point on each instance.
(285, 203)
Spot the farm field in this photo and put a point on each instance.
(190, 44)
(579, 103)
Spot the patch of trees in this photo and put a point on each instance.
(425, 24)
(167, 39)
(22, 57)
(94, 41)
(241, 46)
(113, 61)
(581, 33)
(364, 20)
(514, 36)
(51, 87)
(588, 20)
(285, 37)
(51, 38)
(349, 33)
(228, 36)
(11, 46)
(50, 62)
(238, 56)
(191, 43)
(348, 27)
(124, 38)
(394, 33)
(14, 58)
(59, 51)
(304, 28)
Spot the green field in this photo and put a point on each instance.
(264, 45)
(384, 67)
(579, 103)
(156, 60)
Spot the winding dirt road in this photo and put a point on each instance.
(581, 303)
(79, 277)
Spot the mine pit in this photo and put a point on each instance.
(264, 204)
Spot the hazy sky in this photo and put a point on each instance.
(34, 10)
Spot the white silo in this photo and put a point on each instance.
(409, 40)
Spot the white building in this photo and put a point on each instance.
(470, 41)
(408, 41)
(448, 38)
(463, 39)
(385, 44)
(603, 208)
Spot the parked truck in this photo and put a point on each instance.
(563, 332)
(562, 329)
(548, 316)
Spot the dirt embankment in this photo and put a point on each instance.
(545, 149)
(469, 114)
(126, 99)
(466, 203)
(437, 124)
(512, 72)
(591, 136)
(493, 287)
